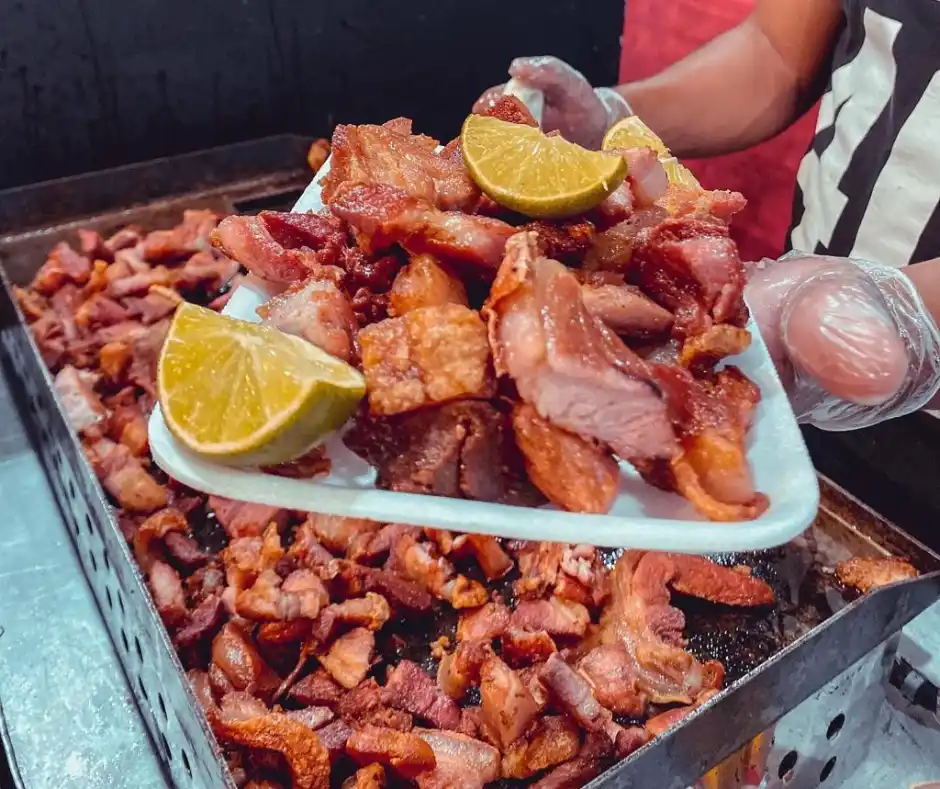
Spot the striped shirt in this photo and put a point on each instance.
(869, 186)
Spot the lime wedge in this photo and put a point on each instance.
(679, 174)
(633, 133)
(541, 176)
(246, 394)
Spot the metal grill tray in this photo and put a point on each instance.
(824, 633)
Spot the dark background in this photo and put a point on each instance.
(87, 84)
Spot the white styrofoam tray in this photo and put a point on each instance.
(642, 516)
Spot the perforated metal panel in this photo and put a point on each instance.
(174, 720)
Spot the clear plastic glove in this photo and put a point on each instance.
(581, 114)
(852, 340)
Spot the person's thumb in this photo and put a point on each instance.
(838, 334)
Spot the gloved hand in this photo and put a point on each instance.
(581, 114)
(852, 340)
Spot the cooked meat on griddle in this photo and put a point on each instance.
(320, 644)
(865, 573)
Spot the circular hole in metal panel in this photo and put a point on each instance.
(835, 726)
(186, 765)
(140, 652)
(787, 763)
(827, 769)
(127, 647)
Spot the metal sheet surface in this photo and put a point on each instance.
(68, 717)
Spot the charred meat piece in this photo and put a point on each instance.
(701, 577)
(64, 265)
(167, 590)
(692, 259)
(123, 476)
(575, 474)
(408, 688)
(418, 562)
(525, 647)
(458, 671)
(391, 155)
(83, 407)
(350, 657)
(625, 309)
(613, 248)
(506, 702)
(301, 748)
(485, 623)
(242, 519)
(555, 616)
(489, 554)
(381, 216)
(566, 242)
(711, 418)
(190, 236)
(282, 248)
(315, 310)
(509, 109)
(565, 363)
(640, 619)
(430, 355)
(234, 654)
(406, 753)
(461, 762)
(613, 676)
(719, 203)
(865, 573)
(554, 740)
(703, 351)
(424, 282)
(462, 449)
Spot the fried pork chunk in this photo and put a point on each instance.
(575, 372)
(463, 450)
(318, 311)
(381, 216)
(575, 474)
(424, 282)
(867, 573)
(279, 247)
(430, 355)
(390, 154)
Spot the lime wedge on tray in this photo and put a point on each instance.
(246, 394)
(633, 133)
(541, 176)
(679, 174)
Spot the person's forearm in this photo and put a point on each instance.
(733, 93)
(746, 85)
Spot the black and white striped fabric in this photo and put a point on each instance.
(869, 187)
